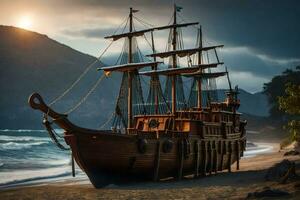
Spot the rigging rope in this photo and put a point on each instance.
(52, 133)
(144, 22)
(80, 77)
(108, 120)
(87, 69)
(87, 95)
(182, 18)
(148, 42)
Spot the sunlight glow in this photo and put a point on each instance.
(25, 22)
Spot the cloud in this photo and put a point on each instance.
(89, 32)
(245, 59)
(261, 37)
(284, 62)
(245, 80)
(268, 27)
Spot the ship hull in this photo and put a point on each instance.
(110, 157)
(116, 158)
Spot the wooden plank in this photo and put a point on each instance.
(211, 157)
(202, 75)
(196, 150)
(142, 32)
(204, 158)
(222, 155)
(181, 159)
(128, 66)
(209, 65)
(216, 156)
(170, 71)
(73, 165)
(229, 156)
(156, 162)
(183, 52)
(238, 155)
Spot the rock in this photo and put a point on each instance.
(281, 172)
(268, 192)
(291, 153)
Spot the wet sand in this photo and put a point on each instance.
(234, 185)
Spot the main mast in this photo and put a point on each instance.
(129, 102)
(154, 78)
(199, 92)
(174, 64)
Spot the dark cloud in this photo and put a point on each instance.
(249, 62)
(266, 26)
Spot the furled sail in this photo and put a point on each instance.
(121, 110)
(180, 97)
(183, 52)
(142, 32)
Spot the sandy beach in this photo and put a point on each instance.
(234, 185)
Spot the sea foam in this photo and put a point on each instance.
(4, 138)
(18, 146)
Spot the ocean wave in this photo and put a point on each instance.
(259, 149)
(18, 146)
(29, 130)
(32, 175)
(21, 130)
(54, 163)
(15, 178)
(8, 138)
(36, 163)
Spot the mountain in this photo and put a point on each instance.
(253, 104)
(32, 62)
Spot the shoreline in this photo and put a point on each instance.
(234, 185)
(49, 175)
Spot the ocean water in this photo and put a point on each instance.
(29, 156)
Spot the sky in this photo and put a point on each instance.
(261, 37)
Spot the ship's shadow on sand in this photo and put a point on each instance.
(220, 179)
(233, 179)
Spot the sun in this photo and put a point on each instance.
(25, 22)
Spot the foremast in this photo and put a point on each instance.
(174, 62)
(129, 101)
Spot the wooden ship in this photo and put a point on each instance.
(166, 135)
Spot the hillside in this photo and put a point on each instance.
(32, 62)
(253, 104)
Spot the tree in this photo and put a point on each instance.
(290, 104)
(276, 88)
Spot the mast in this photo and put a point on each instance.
(153, 48)
(174, 64)
(199, 94)
(154, 78)
(129, 102)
